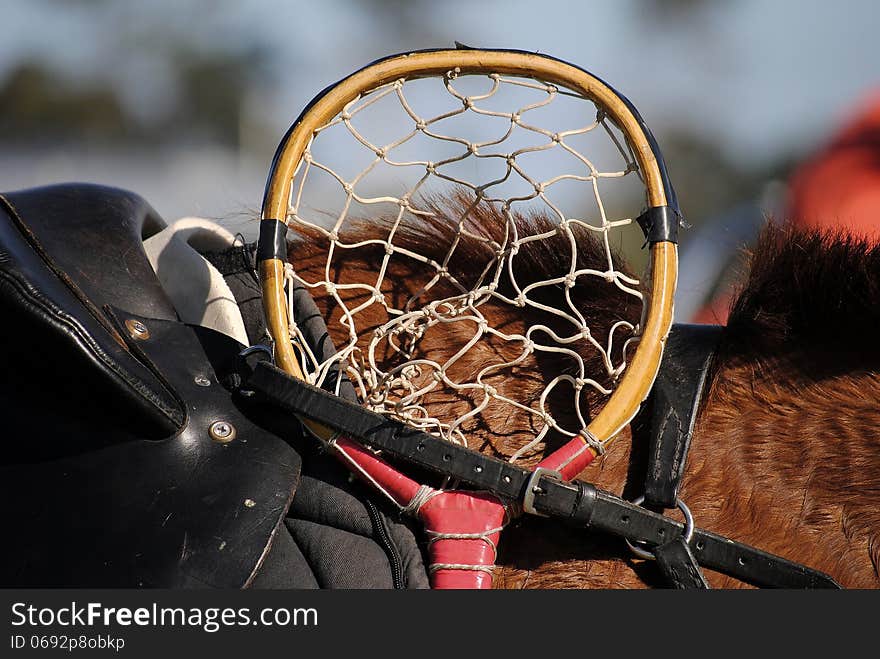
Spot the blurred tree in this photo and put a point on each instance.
(205, 81)
(211, 88)
(37, 105)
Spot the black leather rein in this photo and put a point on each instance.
(577, 502)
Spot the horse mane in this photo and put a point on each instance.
(811, 295)
(479, 230)
(429, 235)
(535, 261)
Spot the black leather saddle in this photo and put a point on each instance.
(125, 460)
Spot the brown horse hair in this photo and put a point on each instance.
(484, 230)
(795, 388)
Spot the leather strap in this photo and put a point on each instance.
(607, 512)
(671, 411)
(672, 408)
(678, 564)
(578, 502)
(392, 437)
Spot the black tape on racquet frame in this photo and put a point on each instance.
(273, 241)
(660, 224)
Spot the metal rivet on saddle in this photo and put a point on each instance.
(137, 329)
(222, 431)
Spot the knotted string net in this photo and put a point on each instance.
(451, 218)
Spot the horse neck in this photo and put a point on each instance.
(785, 452)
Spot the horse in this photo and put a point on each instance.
(785, 454)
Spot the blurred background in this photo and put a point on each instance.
(184, 101)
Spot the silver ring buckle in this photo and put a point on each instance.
(688, 529)
(532, 488)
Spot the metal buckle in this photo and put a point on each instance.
(251, 350)
(258, 347)
(532, 488)
(688, 529)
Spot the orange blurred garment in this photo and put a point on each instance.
(839, 187)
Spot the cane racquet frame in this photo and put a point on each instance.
(659, 222)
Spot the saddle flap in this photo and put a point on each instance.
(199, 508)
(66, 252)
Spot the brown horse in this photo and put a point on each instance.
(786, 451)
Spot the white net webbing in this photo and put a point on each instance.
(425, 335)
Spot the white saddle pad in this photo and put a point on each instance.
(196, 288)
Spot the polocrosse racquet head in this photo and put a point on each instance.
(460, 213)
